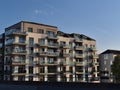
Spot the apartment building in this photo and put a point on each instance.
(39, 52)
(106, 59)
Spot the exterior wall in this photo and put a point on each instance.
(36, 27)
(105, 65)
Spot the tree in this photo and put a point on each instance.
(116, 68)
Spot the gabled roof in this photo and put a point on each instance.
(111, 51)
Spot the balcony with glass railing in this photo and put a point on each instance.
(95, 56)
(78, 40)
(71, 55)
(79, 63)
(17, 52)
(53, 45)
(18, 62)
(13, 41)
(64, 46)
(79, 47)
(19, 72)
(80, 71)
(52, 36)
(42, 62)
(15, 32)
(92, 49)
(42, 44)
(52, 54)
(65, 54)
(52, 62)
(77, 55)
(42, 53)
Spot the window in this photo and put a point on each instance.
(31, 70)
(30, 29)
(31, 41)
(50, 33)
(42, 60)
(40, 31)
(21, 39)
(62, 43)
(41, 41)
(105, 56)
(105, 62)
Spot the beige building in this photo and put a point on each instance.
(39, 52)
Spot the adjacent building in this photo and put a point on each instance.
(106, 59)
(37, 52)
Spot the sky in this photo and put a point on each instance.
(98, 19)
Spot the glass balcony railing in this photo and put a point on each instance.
(42, 62)
(78, 40)
(18, 61)
(64, 45)
(14, 31)
(53, 44)
(10, 41)
(79, 55)
(52, 62)
(79, 63)
(79, 47)
(42, 44)
(52, 53)
(52, 36)
(19, 51)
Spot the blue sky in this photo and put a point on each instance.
(99, 19)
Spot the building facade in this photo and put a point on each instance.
(106, 59)
(39, 52)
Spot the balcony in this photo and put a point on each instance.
(79, 63)
(78, 55)
(64, 46)
(19, 73)
(42, 53)
(18, 62)
(71, 55)
(17, 52)
(7, 62)
(52, 63)
(52, 54)
(13, 42)
(77, 40)
(7, 72)
(15, 32)
(79, 72)
(79, 47)
(53, 45)
(96, 63)
(65, 54)
(42, 63)
(95, 56)
(51, 36)
(42, 45)
(92, 49)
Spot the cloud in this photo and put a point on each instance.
(43, 12)
(46, 9)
